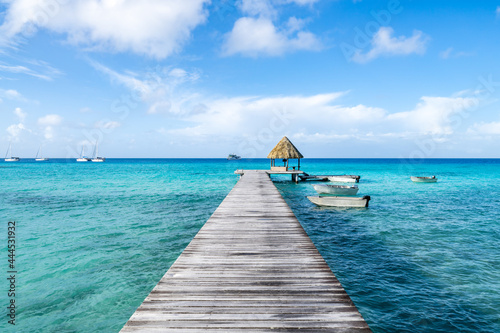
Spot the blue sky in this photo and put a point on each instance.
(164, 78)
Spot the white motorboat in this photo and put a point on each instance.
(9, 157)
(431, 179)
(39, 157)
(328, 201)
(95, 156)
(82, 157)
(344, 178)
(336, 189)
(231, 157)
(320, 178)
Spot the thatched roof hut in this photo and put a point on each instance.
(284, 150)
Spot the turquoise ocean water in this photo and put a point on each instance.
(93, 239)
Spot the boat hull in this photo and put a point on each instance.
(325, 201)
(41, 159)
(12, 159)
(423, 179)
(345, 179)
(313, 178)
(336, 189)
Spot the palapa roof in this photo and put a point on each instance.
(285, 149)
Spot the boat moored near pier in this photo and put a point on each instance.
(344, 178)
(431, 179)
(327, 201)
(336, 189)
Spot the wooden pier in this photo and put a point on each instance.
(251, 268)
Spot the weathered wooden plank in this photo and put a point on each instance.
(246, 330)
(251, 268)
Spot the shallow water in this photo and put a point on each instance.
(94, 239)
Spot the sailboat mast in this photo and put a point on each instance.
(8, 150)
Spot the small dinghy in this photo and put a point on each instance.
(336, 189)
(344, 178)
(308, 177)
(340, 201)
(432, 179)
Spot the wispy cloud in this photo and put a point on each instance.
(498, 11)
(155, 28)
(107, 125)
(384, 44)
(43, 70)
(451, 53)
(160, 88)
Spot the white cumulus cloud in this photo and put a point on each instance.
(152, 27)
(48, 123)
(14, 131)
(50, 120)
(20, 114)
(492, 128)
(433, 115)
(258, 33)
(259, 36)
(256, 122)
(249, 118)
(384, 44)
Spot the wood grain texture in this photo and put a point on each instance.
(251, 268)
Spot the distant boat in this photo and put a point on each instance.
(9, 157)
(95, 156)
(326, 201)
(39, 157)
(233, 157)
(344, 178)
(82, 157)
(336, 189)
(432, 179)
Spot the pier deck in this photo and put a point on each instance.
(251, 268)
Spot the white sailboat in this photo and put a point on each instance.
(82, 157)
(95, 156)
(39, 157)
(9, 157)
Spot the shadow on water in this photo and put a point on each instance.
(392, 291)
